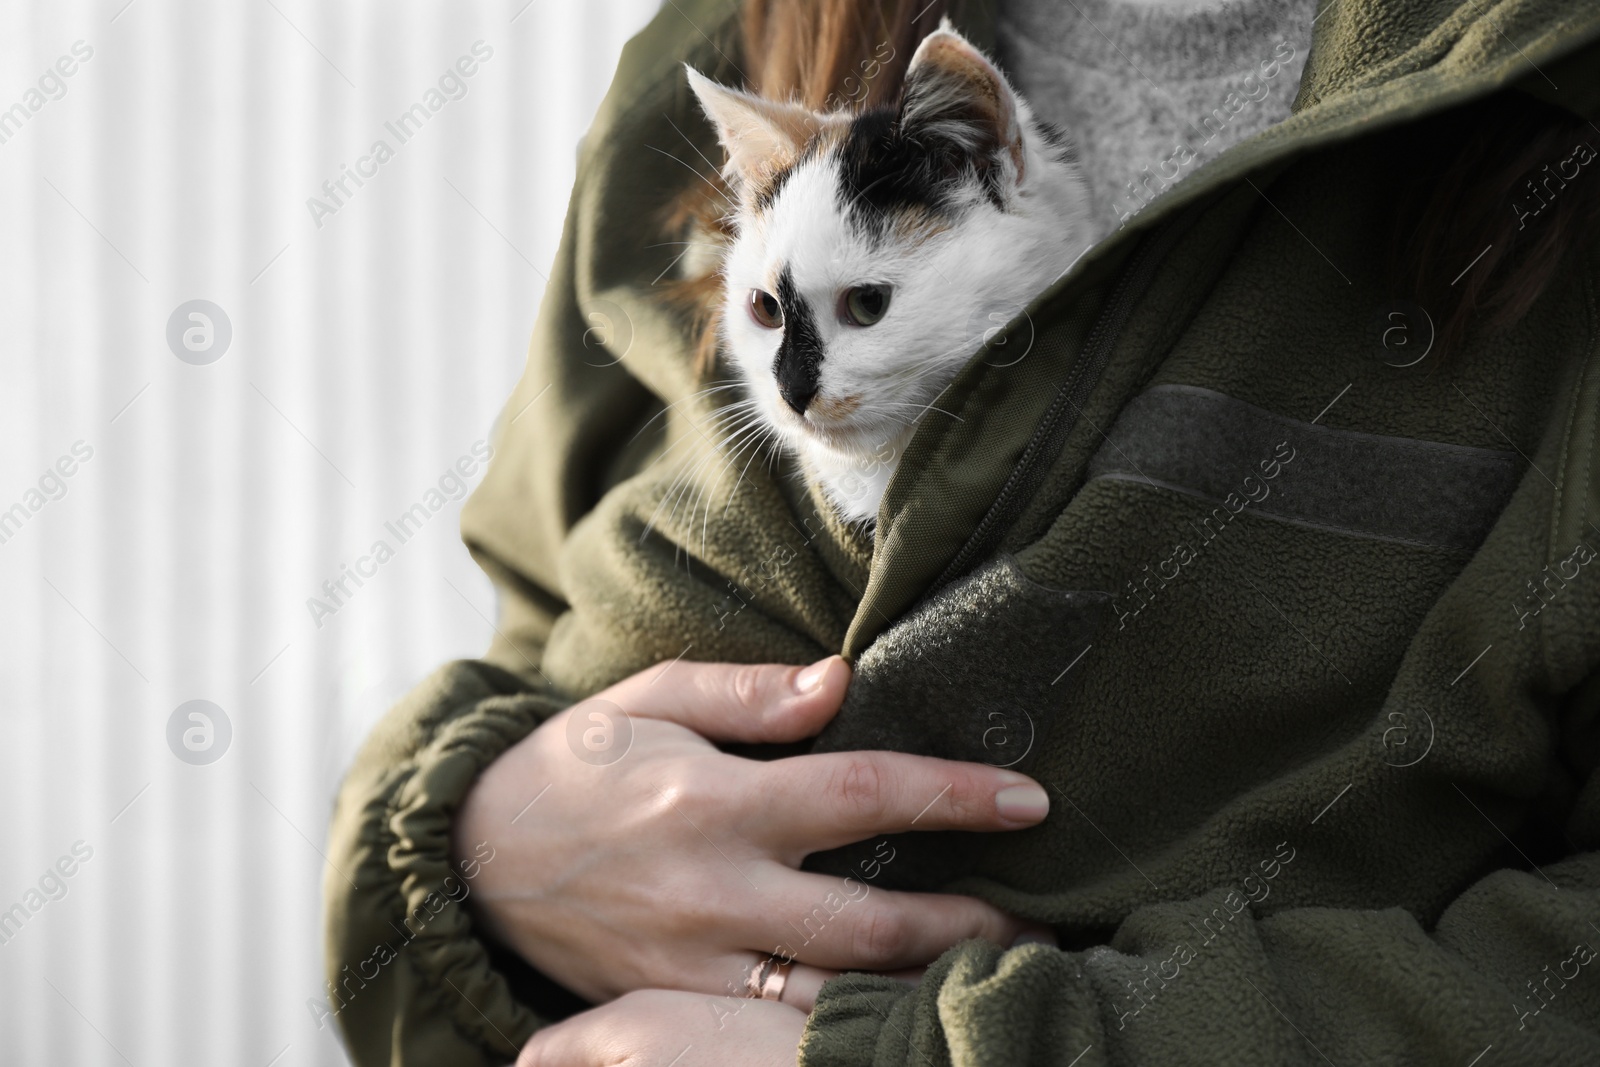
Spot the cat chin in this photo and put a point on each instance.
(854, 497)
(847, 444)
(854, 481)
(857, 446)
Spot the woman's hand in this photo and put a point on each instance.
(633, 854)
(658, 1026)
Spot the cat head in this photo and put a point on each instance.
(867, 244)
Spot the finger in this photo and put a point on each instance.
(746, 702)
(565, 1044)
(821, 801)
(604, 1035)
(800, 988)
(846, 925)
(800, 985)
(537, 1051)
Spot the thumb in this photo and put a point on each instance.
(750, 703)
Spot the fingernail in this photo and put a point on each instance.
(808, 679)
(1030, 937)
(1022, 803)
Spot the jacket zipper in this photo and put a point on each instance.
(1062, 414)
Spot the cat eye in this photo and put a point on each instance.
(864, 304)
(764, 308)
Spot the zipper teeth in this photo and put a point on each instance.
(1132, 283)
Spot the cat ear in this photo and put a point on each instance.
(760, 136)
(954, 94)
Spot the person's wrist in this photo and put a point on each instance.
(479, 818)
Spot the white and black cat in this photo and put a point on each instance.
(866, 245)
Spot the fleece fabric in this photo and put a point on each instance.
(1322, 764)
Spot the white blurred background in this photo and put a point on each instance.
(371, 348)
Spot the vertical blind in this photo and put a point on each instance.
(267, 272)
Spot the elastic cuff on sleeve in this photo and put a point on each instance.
(444, 950)
(409, 978)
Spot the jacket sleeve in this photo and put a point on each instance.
(1511, 967)
(409, 979)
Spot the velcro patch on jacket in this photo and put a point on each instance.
(1203, 443)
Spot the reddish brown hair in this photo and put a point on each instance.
(1485, 220)
(822, 53)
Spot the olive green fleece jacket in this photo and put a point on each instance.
(1303, 635)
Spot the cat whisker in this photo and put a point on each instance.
(709, 184)
(763, 432)
(669, 266)
(935, 360)
(737, 442)
(731, 427)
(909, 378)
(691, 144)
(650, 524)
(716, 387)
(922, 361)
(932, 406)
(686, 476)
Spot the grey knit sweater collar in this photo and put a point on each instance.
(1149, 92)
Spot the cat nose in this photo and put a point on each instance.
(798, 378)
(797, 395)
(798, 367)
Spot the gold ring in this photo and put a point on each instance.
(766, 982)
